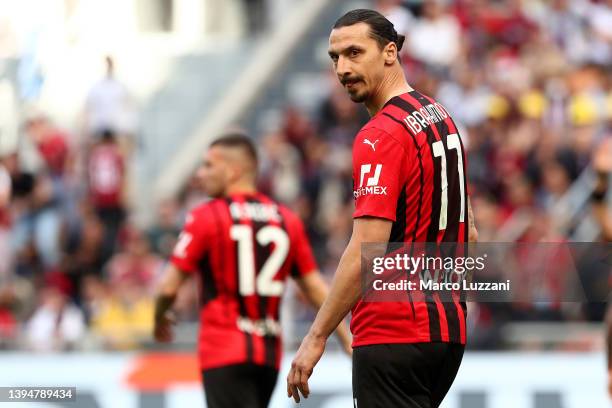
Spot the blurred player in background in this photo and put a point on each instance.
(409, 170)
(244, 246)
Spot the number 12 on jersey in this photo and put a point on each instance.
(263, 282)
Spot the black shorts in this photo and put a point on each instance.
(404, 375)
(239, 386)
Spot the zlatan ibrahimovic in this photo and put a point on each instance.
(409, 186)
(243, 246)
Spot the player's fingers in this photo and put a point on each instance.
(295, 394)
(296, 381)
(288, 390)
(303, 385)
(289, 381)
(291, 388)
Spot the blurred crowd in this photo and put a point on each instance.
(528, 82)
(74, 269)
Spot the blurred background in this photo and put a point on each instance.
(107, 106)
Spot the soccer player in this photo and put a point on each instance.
(243, 245)
(409, 186)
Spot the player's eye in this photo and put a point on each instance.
(354, 52)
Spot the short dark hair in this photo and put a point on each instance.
(107, 135)
(381, 29)
(238, 140)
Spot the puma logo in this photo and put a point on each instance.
(366, 141)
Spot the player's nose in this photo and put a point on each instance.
(342, 68)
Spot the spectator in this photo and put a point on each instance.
(53, 147)
(38, 225)
(166, 229)
(434, 39)
(136, 264)
(599, 16)
(565, 27)
(109, 107)
(57, 324)
(8, 321)
(256, 15)
(52, 144)
(123, 318)
(84, 247)
(281, 168)
(106, 176)
(400, 16)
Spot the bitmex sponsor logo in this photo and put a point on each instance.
(371, 187)
(376, 190)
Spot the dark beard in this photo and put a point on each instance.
(358, 97)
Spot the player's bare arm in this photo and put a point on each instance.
(344, 292)
(316, 290)
(171, 282)
(473, 232)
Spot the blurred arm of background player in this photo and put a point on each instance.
(316, 290)
(312, 285)
(170, 284)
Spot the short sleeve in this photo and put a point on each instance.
(303, 260)
(191, 244)
(377, 174)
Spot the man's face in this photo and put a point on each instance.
(215, 172)
(358, 60)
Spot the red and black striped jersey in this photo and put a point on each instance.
(244, 247)
(409, 167)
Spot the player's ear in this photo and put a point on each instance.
(390, 53)
(233, 172)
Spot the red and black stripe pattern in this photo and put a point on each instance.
(446, 318)
(430, 213)
(221, 242)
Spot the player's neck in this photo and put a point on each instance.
(241, 188)
(393, 85)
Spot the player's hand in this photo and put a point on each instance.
(162, 332)
(306, 358)
(348, 348)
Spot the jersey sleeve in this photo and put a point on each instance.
(303, 258)
(191, 244)
(377, 174)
